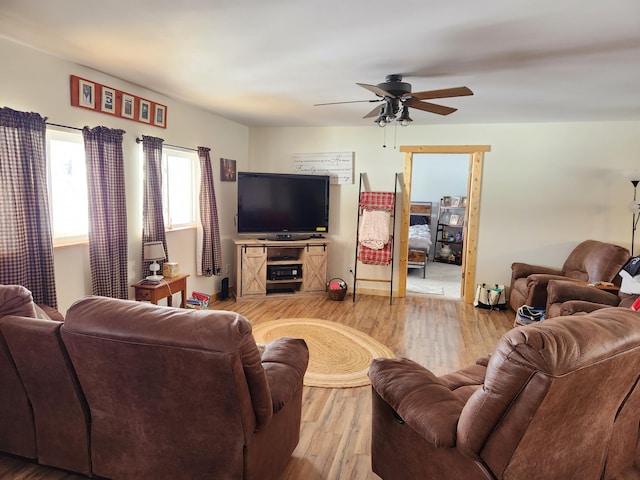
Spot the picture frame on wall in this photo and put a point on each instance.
(108, 103)
(144, 111)
(227, 170)
(104, 99)
(86, 94)
(160, 115)
(126, 110)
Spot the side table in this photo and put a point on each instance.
(165, 289)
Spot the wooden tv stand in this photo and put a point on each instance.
(266, 268)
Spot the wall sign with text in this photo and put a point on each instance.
(103, 99)
(338, 165)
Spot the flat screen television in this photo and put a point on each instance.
(281, 203)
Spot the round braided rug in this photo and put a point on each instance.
(339, 356)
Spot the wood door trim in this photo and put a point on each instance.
(474, 183)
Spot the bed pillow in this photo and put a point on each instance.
(418, 220)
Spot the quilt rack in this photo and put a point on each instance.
(374, 233)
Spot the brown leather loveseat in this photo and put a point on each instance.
(167, 393)
(590, 261)
(557, 400)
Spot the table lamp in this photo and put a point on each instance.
(154, 251)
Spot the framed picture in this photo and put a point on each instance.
(227, 170)
(455, 201)
(454, 219)
(108, 104)
(445, 218)
(160, 116)
(86, 94)
(144, 111)
(463, 202)
(126, 110)
(446, 201)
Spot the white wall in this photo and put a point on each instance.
(545, 187)
(40, 83)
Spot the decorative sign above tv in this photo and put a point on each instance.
(103, 99)
(338, 165)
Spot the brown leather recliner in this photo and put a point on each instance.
(590, 261)
(179, 393)
(570, 298)
(560, 399)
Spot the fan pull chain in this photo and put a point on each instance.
(395, 135)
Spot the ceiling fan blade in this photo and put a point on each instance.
(444, 93)
(351, 101)
(374, 113)
(429, 107)
(377, 90)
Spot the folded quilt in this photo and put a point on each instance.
(374, 229)
(377, 200)
(375, 257)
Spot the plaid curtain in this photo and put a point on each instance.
(26, 246)
(152, 217)
(107, 212)
(211, 250)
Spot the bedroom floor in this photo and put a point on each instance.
(442, 279)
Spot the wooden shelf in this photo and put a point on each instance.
(445, 213)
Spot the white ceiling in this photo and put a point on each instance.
(267, 62)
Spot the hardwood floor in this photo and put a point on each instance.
(441, 334)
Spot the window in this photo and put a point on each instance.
(179, 188)
(67, 175)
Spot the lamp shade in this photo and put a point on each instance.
(153, 251)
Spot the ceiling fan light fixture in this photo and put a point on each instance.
(405, 119)
(381, 121)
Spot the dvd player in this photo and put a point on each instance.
(284, 272)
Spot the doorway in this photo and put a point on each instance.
(471, 224)
(436, 177)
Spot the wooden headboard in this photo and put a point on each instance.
(422, 209)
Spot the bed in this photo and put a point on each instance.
(419, 235)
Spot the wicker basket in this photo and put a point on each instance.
(337, 289)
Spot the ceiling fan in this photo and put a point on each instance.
(397, 98)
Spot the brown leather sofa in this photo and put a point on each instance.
(557, 400)
(590, 261)
(570, 298)
(161, 393)
(17, 426)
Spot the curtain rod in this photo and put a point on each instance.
(63, 126)
(139, 140)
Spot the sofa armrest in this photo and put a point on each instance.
(424, 403)
(560, 291)
(573, 307)
(285, 362)
(520, 270)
